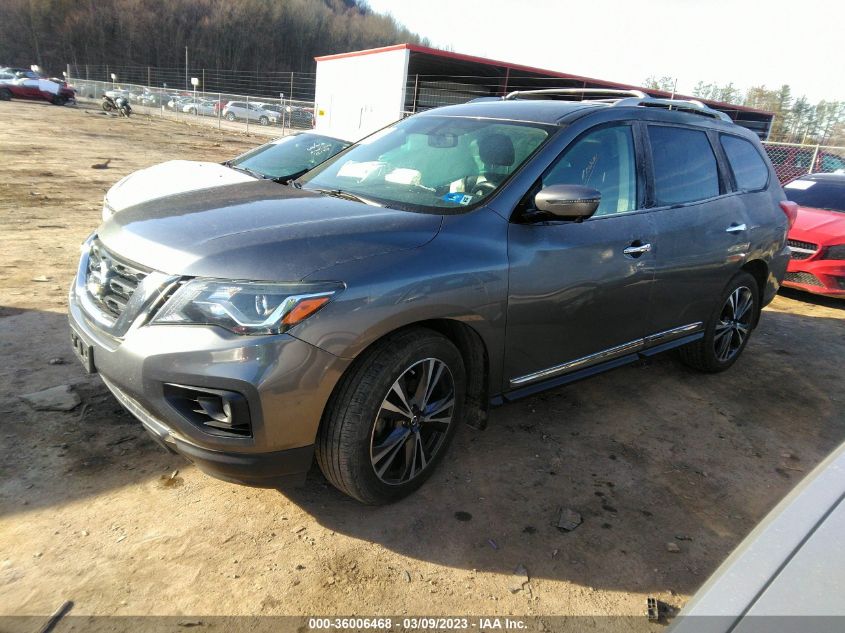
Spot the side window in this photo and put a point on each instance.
(748, 167)
(604, 160)
(685, 168)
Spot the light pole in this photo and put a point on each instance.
(195, 82)
(113, 79)
(186, 68)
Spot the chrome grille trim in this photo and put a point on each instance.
(116, 295)
(802, 250)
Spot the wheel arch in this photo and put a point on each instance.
(758, 269)
(473, 351)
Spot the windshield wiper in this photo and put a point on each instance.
(348, 195)
(247, 170)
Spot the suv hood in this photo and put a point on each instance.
(259, 231)
(165, 179)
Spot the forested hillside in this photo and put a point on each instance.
(249, 35)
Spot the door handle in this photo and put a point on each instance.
(636, 251)
(736, 228)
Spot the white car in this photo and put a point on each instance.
(203, 107)
(281, 160)
(789, 573)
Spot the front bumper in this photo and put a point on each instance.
(819, 276)
(286, 383)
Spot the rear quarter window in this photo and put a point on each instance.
(749, 170)
(685, 167)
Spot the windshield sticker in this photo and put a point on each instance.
(458, 198)
(800, 184)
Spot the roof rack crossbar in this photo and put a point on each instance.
(685, 105)
(584, 92)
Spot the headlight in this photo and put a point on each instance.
(245, 307)
(834, 252)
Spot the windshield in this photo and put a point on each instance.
(817, 194)
(290, 156)
(431, 162)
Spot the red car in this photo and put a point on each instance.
(34, 87)
(817, 238)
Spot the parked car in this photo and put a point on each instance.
(38, 89)
(253, 111)
(817, 239)
(202, 107)
(791, 161)
(463, 257)
(280, 160)
(787, 575)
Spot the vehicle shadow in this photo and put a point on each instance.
(49, 458)
(647, 455)
(813, 299)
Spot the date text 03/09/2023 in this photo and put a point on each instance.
(417, 623)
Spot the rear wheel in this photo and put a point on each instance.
(5, 94)
(264, 120)
(230, 116)
(392, 417)
(729, 328)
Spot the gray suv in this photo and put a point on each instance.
(461, 258)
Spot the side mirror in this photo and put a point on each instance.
(572, 202)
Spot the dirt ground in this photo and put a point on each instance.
(90, 510)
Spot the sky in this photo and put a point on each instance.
(747, 42)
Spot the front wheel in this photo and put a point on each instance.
(230, 116)
(727, 332)
(392, 417)
(264, 121)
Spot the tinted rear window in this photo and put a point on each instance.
(748, 167)
(685, 168)
(817, 194)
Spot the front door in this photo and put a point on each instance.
(579, 291)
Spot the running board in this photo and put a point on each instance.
(600, 367)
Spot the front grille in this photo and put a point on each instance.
(802, 250)
(807, 279)
(109, 281)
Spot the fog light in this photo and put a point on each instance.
(215, 411)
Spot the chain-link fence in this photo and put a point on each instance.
(249, 113)
(792, 160)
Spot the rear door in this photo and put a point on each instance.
(578, 291)
(702, 228)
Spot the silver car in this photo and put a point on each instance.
(249, 111)
(461, 258)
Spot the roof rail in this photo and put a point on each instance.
(605, 92)
(684, 105)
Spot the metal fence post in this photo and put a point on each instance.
(813, 161)
(219, 109)
(247, 114)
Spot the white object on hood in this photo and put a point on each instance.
(167, 179)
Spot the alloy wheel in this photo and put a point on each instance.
(734, 324)
(412, 421)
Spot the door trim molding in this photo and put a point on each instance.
(607, 354)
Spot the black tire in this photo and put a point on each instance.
(264, 121)
(355, 414)
(59, 100)
(5, 94)
(230, 116)
(718, 350)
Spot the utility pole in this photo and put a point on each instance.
(186, 67)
